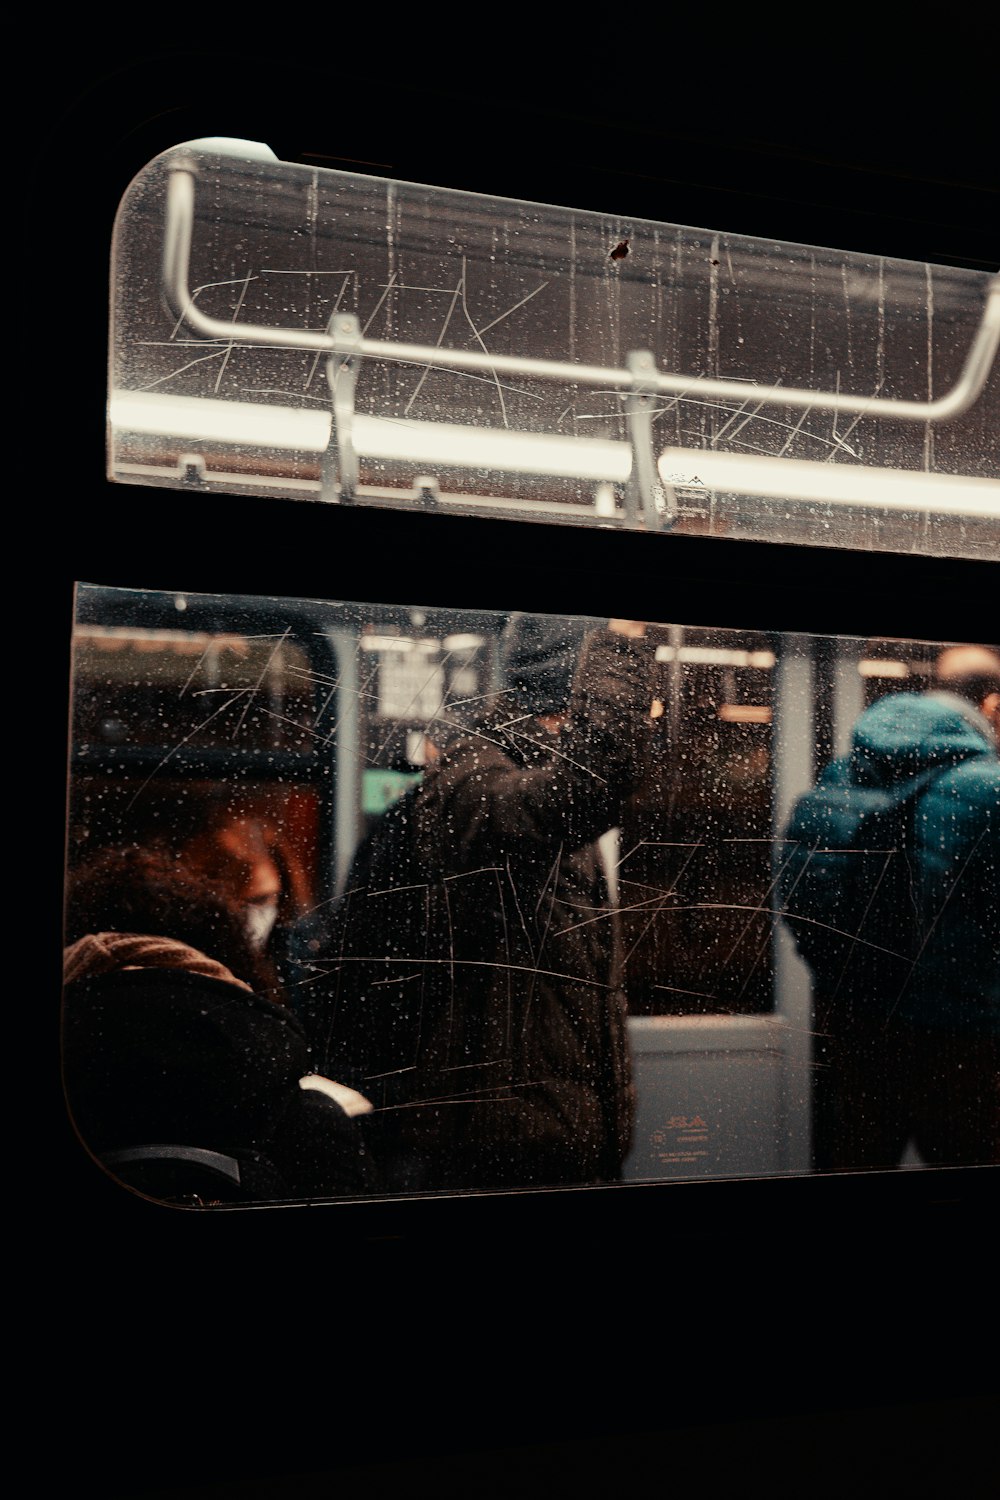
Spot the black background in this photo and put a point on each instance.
(803, 1337)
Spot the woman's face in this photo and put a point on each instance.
(259, 898)
(238, 856)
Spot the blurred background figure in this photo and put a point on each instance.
(892, 890)
(468, 984)
(972, 675)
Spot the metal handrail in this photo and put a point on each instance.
(342, 338)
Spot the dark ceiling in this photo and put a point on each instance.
(863, 146)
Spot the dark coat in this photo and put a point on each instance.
(956, 979)
(166, 1057)
(468, 981)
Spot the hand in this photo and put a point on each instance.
(634, 628)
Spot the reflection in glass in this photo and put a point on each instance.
(368, 900)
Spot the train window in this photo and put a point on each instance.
(382, 899)
(328, 336)
(517, 886)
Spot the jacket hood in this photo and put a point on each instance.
(905, 734)
(106, 952)
(539, 657)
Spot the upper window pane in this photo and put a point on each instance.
(298, 331)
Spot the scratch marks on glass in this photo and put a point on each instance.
(501, 317)
(478, 332)
(236, 314)
(767, 931)
(665, 896)
(240, 281)
(676, 989)
(185, 740)
(456, 293)
(263, 673)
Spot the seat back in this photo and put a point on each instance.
(194, 1177)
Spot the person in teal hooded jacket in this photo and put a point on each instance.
(907, 1021)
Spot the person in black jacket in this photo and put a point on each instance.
(175, 1055)
(467, 984)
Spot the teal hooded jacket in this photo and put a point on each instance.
(943, 930)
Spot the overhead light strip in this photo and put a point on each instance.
(426, 444)
(830, 483)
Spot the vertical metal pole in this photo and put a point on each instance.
(347, 754)
(794, 731)
(339, 475)
(644, 487)
(848, 694)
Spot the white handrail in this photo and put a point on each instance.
(343, 338)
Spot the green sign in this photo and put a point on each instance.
(380, 789)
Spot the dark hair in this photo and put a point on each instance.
(974, 686)
(972, 671)
(150, 891)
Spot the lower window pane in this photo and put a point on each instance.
(369, 900)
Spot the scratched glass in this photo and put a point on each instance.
(454, 908)
(295, 331)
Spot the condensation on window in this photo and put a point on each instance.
(530, 887)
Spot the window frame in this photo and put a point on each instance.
(333, 550)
